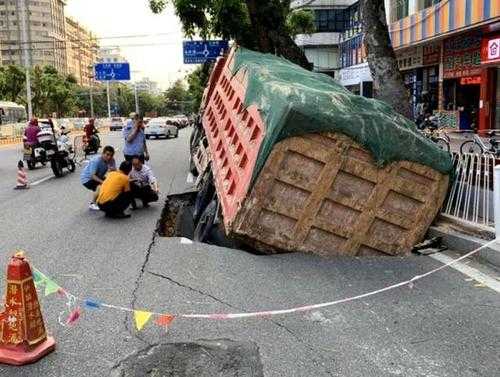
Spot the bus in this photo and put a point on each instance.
(11, 112)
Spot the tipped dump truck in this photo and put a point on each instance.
(289, 160)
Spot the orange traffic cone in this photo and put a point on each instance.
(23, 339)
(22, 177)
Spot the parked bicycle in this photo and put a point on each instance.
(431, 130)
(478, 146)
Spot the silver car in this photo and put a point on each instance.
(160, 127)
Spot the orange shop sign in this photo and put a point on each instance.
(470, 80)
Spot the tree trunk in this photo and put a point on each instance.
(268, 20)
(382, 59)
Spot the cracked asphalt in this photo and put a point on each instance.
(444, 326)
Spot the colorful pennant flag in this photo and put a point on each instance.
(38, 277)
(74, 316)
(50, 287)
(165, 320)
(141, 318)
(90, 303)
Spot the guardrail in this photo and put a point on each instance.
(471, 196)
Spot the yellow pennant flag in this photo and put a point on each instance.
(141, 318)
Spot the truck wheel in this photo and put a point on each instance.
(56, 168)
(206, 223)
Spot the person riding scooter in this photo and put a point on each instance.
(31, 133)
(91, 137)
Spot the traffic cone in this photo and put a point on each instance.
(23, 339)
(22, 177)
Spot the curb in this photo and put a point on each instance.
(464, 243)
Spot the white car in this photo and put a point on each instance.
(116, 124)
(158, 127)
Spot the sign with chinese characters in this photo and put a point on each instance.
(198, 52)
(473, 80)
(410, 58)
(431, 54)
(462, 56)
(490, 50)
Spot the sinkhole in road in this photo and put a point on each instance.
(203, 358)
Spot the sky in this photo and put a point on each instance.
(116, 18)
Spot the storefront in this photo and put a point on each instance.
(489, 112)
(462, 77)
(410, 62)
(357, 79)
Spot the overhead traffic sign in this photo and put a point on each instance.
(198, 52)
(112, 71)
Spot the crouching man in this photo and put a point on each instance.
(115, 196)
(143, 183)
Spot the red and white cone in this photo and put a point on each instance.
(22, 177)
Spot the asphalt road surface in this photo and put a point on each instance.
(446, 326)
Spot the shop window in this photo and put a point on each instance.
(399, 9)
(422, 4)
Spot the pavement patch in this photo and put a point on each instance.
(203, 358)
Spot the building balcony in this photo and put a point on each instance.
(443, 18)
(317, 39)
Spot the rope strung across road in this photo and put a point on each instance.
(164, 319)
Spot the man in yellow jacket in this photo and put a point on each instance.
(115, 196)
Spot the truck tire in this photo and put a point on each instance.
(206, 223)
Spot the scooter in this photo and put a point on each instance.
(63, 158)
(92, 146)
(33, 154)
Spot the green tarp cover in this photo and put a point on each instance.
(294, 102)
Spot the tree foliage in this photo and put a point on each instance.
(12, 83)
(265, 26)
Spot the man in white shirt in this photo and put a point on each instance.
(143, 183)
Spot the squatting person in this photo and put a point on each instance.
(115, 196)
(94, 173)
(143, 183)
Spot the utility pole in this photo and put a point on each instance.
(23, 12)
(136, 99)
(92, 97)
(109, 100)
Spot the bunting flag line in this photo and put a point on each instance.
(142, 317)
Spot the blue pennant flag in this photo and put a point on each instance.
(92, 304)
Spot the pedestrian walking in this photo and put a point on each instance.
(94, 173)
(143, 183)
(135, 139)
(115, 196)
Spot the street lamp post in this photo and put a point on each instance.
(109, 99)
(21, 4)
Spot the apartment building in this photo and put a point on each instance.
(46, 32)
(81, 52)
(111, 54)
(449, 52)
(322, 47)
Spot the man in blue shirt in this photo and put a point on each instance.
(93, 174)
(135, 140)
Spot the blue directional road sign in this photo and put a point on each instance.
(112, 72)
(198, 52)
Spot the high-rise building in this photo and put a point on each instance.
(146, 85)
(322, 47)
(46, 36)
(81, 52)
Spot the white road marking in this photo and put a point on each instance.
(186, 241)
(469, 271)
(36, 183)
(190, 178)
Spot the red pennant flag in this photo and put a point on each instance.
(165, 320)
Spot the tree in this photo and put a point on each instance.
(177, 99)
(262, 25)
(197, 81)
(382, 59)
(12, 83)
